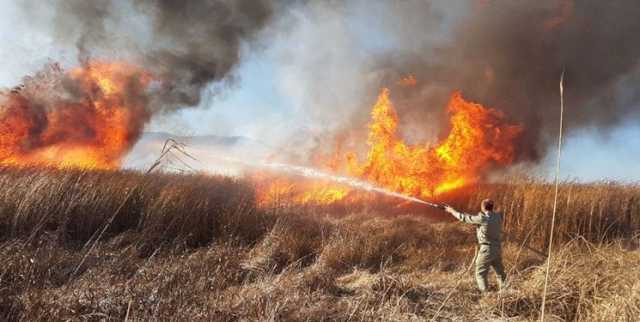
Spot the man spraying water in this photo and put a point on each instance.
(488, 222)
(489, 232)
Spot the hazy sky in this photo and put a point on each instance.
(268, 97)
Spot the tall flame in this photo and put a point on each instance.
(478, 139)
(88, 117)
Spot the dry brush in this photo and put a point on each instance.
(121, 245)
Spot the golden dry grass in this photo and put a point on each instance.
(120, 245)
(594, 211)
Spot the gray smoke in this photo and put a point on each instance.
(186, 44)
(510, 54)
(503, 54)
(331, 64)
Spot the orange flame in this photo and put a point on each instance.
(86, 118)
(478, 139)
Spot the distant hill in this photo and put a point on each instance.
(198, 139)
(209, 150)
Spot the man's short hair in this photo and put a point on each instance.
(487, 204)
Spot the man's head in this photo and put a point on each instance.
(486, 205)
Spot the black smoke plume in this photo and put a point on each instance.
(187, 44)
(510, 54)
(504, 54)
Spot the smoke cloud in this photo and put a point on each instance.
(332, 57)
(186, 44)
(510, 54)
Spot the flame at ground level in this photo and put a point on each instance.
(88, 117)
(479, 138)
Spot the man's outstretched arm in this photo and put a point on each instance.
(469, 219)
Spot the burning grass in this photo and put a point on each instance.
(478, 139)
(88, 117)
(120, 245)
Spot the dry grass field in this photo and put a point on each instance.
(114, 246)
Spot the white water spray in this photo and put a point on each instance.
(352, 182)
(315, 173)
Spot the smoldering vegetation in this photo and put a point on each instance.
(92, 245)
